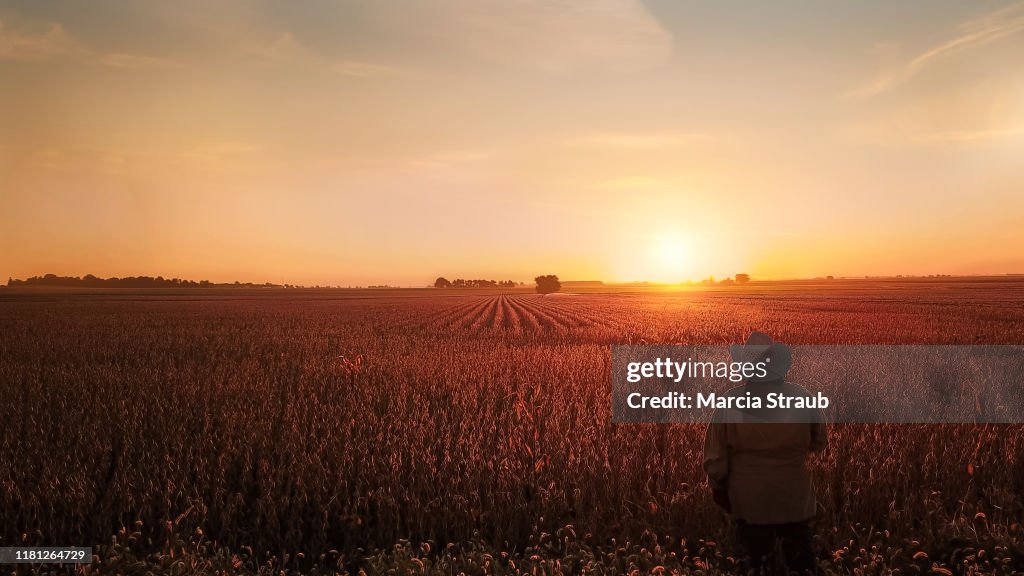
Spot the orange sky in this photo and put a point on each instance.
(352, 143)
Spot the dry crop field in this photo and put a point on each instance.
(448, 430)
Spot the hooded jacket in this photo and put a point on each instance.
(763, 465)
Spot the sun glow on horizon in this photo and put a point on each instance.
(667, 256)
(671, 255)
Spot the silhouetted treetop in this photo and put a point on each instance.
(548, 284)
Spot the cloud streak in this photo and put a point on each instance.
(553, 37)
(219, 150)
(974, 33)
(362, 69)
(136, 61)
(968, 136)
(20, 44)
(634, 140)
(24, 45)
(287, 49)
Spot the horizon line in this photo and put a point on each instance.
(33, 281)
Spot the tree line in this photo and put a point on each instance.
(546, 284)
(443, 282)
(90, 281)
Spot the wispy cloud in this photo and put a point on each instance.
(641, 183)
(968, 136)
(282, 48)
(24, 43)
(20, 44)
(634, 140)
(136, 61)
(976, 32)
(894, 134)
(549, 37)
(286, 49)
(362, 69)
(609, 35)
(219, 150)
(451, 158)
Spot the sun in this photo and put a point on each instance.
(670, 256)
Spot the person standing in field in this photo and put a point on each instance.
(756, 463)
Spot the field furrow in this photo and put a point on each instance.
(511, 319)
(546, 317)
(485, 318)
(442, 314)
(467, 316)
(498, 321)
(581, 316)
(527, 319)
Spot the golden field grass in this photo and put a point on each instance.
(439, 431)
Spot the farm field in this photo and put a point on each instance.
(460, 430)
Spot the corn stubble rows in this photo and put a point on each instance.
(293, 432)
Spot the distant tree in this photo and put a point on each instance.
(442, 282)
(548, 284)
(742, 278)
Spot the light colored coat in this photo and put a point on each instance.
(764, 467)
